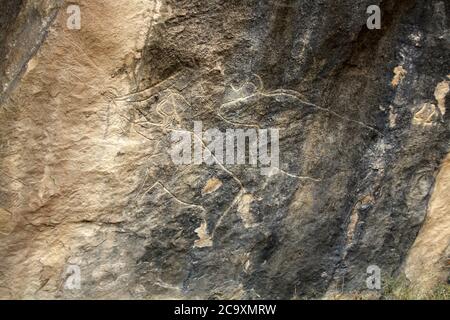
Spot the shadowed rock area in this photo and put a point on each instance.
(86, 175)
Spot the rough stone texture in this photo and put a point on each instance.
(23, 27)
(86, 178)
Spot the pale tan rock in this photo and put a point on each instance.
(399, 74)
(426, 115)
(426, 262)
(244, 209)
(70, 149)
(212, 186)
(204, 238)
(442, 89)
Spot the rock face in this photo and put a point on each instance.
(89, 190)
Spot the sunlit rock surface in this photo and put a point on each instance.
(87, 180)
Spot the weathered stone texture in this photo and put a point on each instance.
(86, 177)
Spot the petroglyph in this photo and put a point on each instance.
(163, 187)
(250, 93)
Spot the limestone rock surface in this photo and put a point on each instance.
(87, 180)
